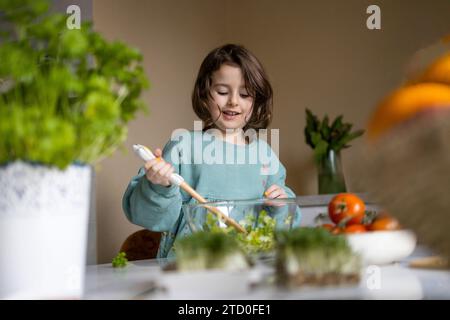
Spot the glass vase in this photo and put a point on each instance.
(331, 176)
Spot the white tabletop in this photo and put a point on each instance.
(145, 279)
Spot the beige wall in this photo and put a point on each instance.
(318, 54)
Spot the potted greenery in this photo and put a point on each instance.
(327, 142)
(66, 97)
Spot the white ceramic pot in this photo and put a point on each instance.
(43, 231)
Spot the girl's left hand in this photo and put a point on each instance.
(275, 192)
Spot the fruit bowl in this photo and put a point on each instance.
(383, 247)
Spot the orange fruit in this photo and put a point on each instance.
(430, 63)
(439, 71)
(405, 103)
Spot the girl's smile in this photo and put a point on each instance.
(229, 115)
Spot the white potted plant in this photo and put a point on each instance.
(66, 97)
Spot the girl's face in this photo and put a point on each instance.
(228, 93)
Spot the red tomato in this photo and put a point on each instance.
(384, 223)
(355, 228)
(336, 230)
(327, 226)
(346, 207)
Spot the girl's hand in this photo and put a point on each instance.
(158, 171)
(275, 192)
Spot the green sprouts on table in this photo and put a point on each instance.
(120, 260)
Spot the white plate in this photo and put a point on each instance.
(383, 247)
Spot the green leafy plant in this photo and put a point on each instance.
(209, 250)
(318, 256)
(65, 95)
(323, 136)
(120, 260)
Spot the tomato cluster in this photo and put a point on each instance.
(348, 212)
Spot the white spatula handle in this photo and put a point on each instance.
(145, 154)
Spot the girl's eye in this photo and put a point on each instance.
(222, 93)
(245, 96)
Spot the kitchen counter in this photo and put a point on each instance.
(322, 200)
(145, 279)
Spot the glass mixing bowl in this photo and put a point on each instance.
(250, 214)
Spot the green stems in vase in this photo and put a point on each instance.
(330, 174)
(327, 141)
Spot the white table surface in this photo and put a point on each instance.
(145, 279)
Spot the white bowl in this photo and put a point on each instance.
(383, 247)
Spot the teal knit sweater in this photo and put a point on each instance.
(216, 169)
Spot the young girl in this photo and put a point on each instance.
(231, 95)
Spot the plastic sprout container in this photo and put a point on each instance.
(260, 219)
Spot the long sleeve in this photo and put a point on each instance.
(279, 178)
(151, 206)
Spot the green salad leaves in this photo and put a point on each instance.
(260, 231)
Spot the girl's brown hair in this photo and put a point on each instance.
(255, 78)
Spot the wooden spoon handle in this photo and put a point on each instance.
(228, 221)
